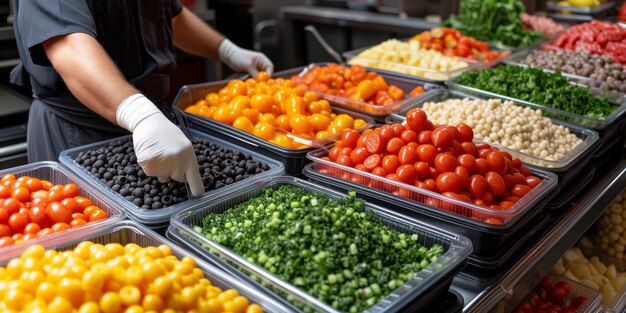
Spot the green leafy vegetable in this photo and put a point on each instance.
(333, 249)
(537, 86)
(496, 21)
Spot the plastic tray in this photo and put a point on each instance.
(126, 232)
(566, 169)
(401, 68)
(517, 59)
(293, 159)
(554, 6)
(57, 174)
(378, 112)
(593, 296)
(563, 199)
(453, 303)
(608, 128)
(619, 302)
(160, 218)
(428, 285)
(516, 244)
(487, 239)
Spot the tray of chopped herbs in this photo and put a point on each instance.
(550, 92)
(321, 250)
(495, 21)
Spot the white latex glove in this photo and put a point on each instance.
(161, 148)
(242, 60)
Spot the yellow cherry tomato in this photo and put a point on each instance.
(264, 130)
(262, 102)
(252, 114)
(320, 122)
(300, 124)
(244, 124)
(344, 121)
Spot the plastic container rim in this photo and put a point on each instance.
(159, 216)
(459, 246)
(548, 181)
(116, 215)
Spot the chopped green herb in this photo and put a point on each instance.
(537, 86)
(333, 249)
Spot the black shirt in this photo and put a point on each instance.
(136, 34)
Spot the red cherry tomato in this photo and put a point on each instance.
(349, 138)
(407, 155)
(425, 137)
(532, 181)
(442, 138)
(464, 174)
(466, 134)
(379, 171)
(477, 186)
(423, 170)
(416, 120)
(409, 135)
(427, 153)
(496, 161)
(449, 182)
(520, 190)
(482, 166)
(358, 155)
(17, 222)
(445, 163)
(394, 145)
(57, 213)
(495, 183)
(391, 163)
(333, 153)
(374, 143)
(38, 214)
(468, 148)
(407, 173)
(468, 162)
(373, 161)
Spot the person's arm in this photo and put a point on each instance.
(161, 148)
(89, 73)
(194, 36)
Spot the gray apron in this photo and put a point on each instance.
(136, 35)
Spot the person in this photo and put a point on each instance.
(98, 69)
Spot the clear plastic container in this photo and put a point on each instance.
(293, 159)
(426, 287)
(379, 112)
(555, 6)
(190, 94)
(403, 70)
(619, 302)
(593, 296)
(159, 218)
(585, 148)
(615, 117)
(578, 79)
(423, 197)
(57, 174)
(126, 232)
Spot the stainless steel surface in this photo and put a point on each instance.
(343, 29)
(11, 102)
(537, 258)
(311, 29)
(13, 149)
(6, 33)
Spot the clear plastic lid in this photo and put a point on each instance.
(126, 232)
(190, 94)
(434, 199)
(363, 107)
(457, 247)
(158, 217)
(596, 124)
(57, 174)
(588, 136)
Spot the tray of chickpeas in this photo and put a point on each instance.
(522, 131)
(270, 115)
(125, 268)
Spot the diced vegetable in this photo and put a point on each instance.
(333, 249)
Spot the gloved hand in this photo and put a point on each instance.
(161, 148)
(243, 60)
